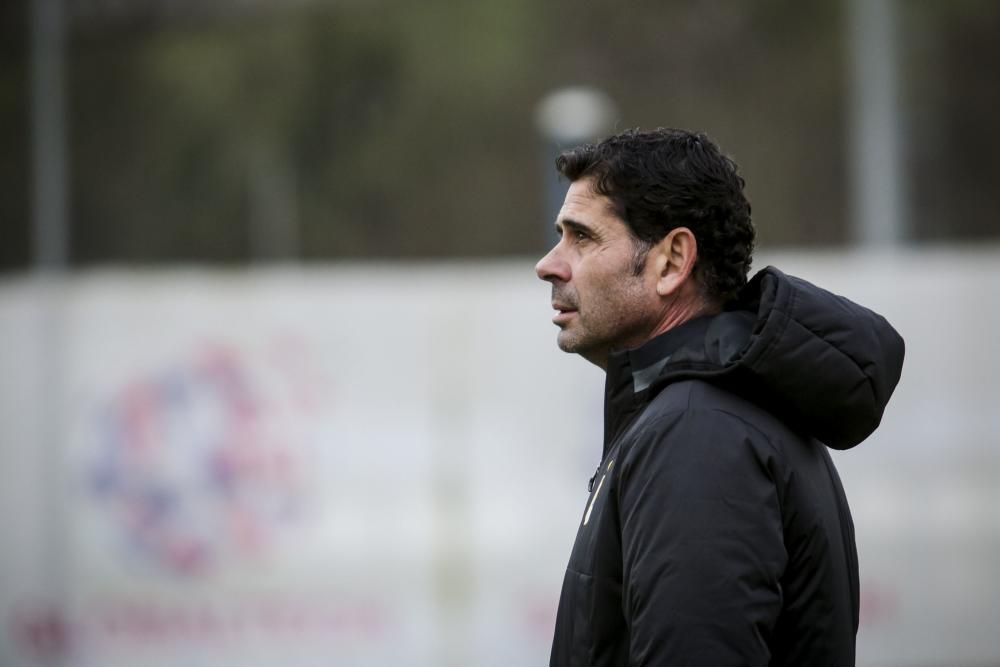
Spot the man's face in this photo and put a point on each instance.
(603, 305)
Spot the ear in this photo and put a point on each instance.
(675, 258)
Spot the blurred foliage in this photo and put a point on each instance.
(393, 129)
(953, 54)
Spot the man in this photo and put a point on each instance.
(716, 531)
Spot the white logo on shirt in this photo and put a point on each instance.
(593, 498)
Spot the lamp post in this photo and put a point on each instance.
(567, 117)
(877, 181)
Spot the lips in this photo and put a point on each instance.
(563, 301)
(564, 314)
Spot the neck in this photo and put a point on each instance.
(680, 313)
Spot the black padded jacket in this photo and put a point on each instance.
(716, 531)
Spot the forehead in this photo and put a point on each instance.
(584, 205)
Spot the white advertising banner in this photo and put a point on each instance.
(385, 465)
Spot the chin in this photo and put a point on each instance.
(573, 344)
(567, 343)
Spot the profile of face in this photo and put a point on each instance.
(603, 304)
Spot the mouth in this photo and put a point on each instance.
(563, 313)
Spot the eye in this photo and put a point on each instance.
(575, 234)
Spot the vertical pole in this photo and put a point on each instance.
(274, 215)
(48, 133)
(454, 584)
(876, 174)
(49, 236)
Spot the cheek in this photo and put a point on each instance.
(607, 286)
(599, 297)
(620, 296)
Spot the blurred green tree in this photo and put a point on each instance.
(231, 132)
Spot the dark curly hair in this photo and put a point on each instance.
(663, 179)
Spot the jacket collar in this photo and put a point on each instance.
(631, 373)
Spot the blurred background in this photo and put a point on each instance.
(278, 383)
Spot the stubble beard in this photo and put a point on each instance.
(600, 328)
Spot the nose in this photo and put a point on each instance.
(553, 267)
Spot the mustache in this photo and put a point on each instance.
(564, 296)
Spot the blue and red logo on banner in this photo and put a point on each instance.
(195, 463)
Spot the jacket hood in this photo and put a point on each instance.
(821, 362)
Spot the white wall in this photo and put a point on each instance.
(385, 465)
